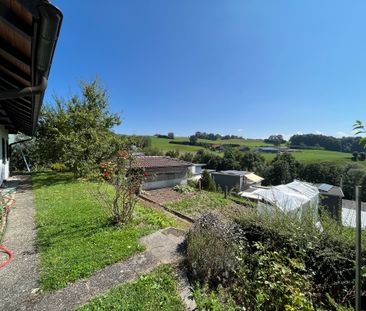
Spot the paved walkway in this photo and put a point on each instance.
(19, 278)
(161, 247)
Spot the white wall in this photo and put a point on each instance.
(4, 163)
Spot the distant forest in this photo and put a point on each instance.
(344, 144)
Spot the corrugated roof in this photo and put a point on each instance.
(329, 189)
(159, 161)
(232, 173)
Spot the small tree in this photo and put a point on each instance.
(171, 135)
(120, 175)
(354, 156)
(78, 131)
(275, 140)
(193, 139)
(207, 182)
(362, 156)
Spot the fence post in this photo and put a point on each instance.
(358, 248)
(225, 193)
(199, 185)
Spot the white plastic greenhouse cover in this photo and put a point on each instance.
(295, 198)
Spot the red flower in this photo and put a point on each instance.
(105, 174)
(146, 174)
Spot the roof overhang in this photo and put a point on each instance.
(28, 34)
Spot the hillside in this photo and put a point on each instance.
(304, 156)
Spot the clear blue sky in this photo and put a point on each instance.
(250, 68)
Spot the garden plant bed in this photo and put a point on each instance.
(166, 195)
(203, 202)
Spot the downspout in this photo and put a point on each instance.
(27, 91)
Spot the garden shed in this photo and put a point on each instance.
(162, 172)
(236, 179)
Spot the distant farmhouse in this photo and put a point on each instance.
(266, 149)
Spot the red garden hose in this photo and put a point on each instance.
(2, 248)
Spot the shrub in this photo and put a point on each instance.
(275, 262)
(173, 154)
(211, 251)
(59, 167)
(207, 182)
(183, 189)
(118, 184)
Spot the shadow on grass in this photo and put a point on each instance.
(47, 179)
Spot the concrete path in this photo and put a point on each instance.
(161, 247)
(19, 278)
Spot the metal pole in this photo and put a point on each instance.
(358, 248)
(25, 161)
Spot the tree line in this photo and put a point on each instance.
(284, 168)
(344, 144)
(212, 136)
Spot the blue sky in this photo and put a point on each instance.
(250, 68)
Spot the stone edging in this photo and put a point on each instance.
(180, 215)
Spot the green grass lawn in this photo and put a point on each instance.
(74, 238)
(204, 202)
(153, 291)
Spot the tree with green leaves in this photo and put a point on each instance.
(252, 161)
(275, 140)
(231, 159)
(362, 156)
(284, 168)
(207, 183)
(193, 139)
(354, 155)
(78, 131)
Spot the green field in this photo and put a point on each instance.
(304, 156)
(313, 156)
(163, 143)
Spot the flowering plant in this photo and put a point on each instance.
(120, 174)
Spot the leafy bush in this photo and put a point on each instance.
(173, 154)
(207, 182)
(211, 250)
(213, 300)
(184, 189)
(275, 262)
(59, 167)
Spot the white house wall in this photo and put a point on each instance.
(4, 162)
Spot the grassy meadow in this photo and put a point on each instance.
(163, 143)
(304, 156)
